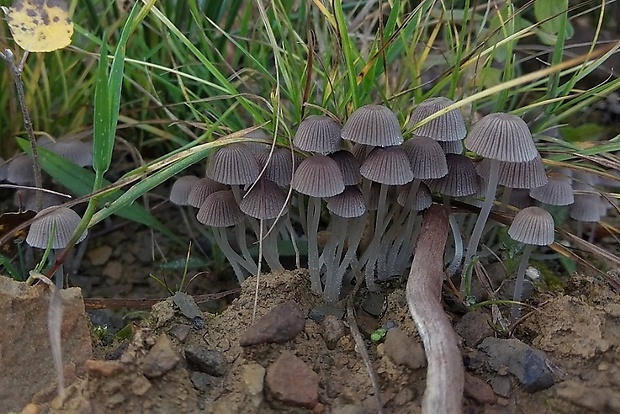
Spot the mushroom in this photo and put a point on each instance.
(556, 192)
(78, 152)
(532, 226)
(319, 134)
(54, 227)
(498, 137)
(181, 188)
(373, 125)
(201, 189)
(449, 127)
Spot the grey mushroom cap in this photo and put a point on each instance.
(586, 208)
(220, 210)
(557, 192)
(529, 174)
(447, 127)
(532, 225)
(20, 170)
(583, 180)
(460, 181)
(452, 147)
(502, 137)
(349, 166)
(388, 165)
(254, 146)
(264, 201)
(426, 157)
(422, 200)
(374, 125)
(27, 199)
(280, 167)
(3, 169)
(318, 133)
(78, 152)
(348, 204)
(318, 176)
(233, 164)
(61, 222)
(202, 189)
(520, 198)
(181, 188)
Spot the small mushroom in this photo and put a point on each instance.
(319, 134)
(373, 125)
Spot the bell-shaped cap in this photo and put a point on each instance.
(233, 164)
(220, 210)
(3, 169)
(264, 201)
(78, 152)
(20, 170)
(349, 166)
(421, 201)
(202, 189)
(59, 223)
(502, 137)
(527, 174)
(586, 208)
(388, 165)
(280, 166)
(374, 125)
(318, 176)
(348, 204)
(447, 127)
(181, 188)
(452, 147)
(462, 179)
(532, 225)
(27, 200)
(318, 133)
(557, 192)
(427, 158)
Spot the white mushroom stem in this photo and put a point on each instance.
(221, 238)
(515, 310)
(314, 215)
(59, 275)
(445, 373)
(472, 246)
(458, 240)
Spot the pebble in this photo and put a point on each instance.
(333, 330)
(100, 255)
(140, 385)
(161, 358)
(281, 324)
(530, 366)
(31, 409)
(103, 368)
(350, 409)
(502, 386)
(113, 270)
(206, 360)
(318, 313)
(292, 382)
(474, 327)
(200, 380)
(179, 331)
(479, 390)
(404, 350)
(187, 305)
(374, 304)
(253, 376)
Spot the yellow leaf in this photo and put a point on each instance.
(39, 25)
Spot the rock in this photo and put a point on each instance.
(253, 376)
(200, 380)
(161, 358)
(100, 255)
(350, 409)
(530, 366)
(113, 270)
(179, 332)
(478, 390)
(318, 313)
(595, 400)
(23, 323)
(206, 360)
(281, 324)
(187, 306)
(31, 409)
(103, 368)
(333, 330)
(140, 385)
(403, 350)
(374, 304)
(290, 381)
(474, 327)
(502, 386)
(162, 312)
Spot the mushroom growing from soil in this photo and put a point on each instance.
(532, 226)
(497, 137)
(54, 226)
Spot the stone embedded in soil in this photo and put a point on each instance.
(281, 324)
(350, 409)
(502, 386)
(31, 409)
(292, 382)
(187, 306)
(206, 360)
(161, 359)
(319, 312)
(200, 380)
(530, 366)
(474, 327)
(478, 390)
(140, 385)
(100, 255)
(333, 330)
(253, 377)
(27, 366)
(404, 350)
(103, 368)
(179, 331)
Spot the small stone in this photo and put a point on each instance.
(502, 386)
(292, 382)
(253, 376)
(374, 304)
(403, 350)
(179, 331)
(187, 305)
(140, 385)
(530, 366)
(474, 327)
(113, 270)
(162, 312)
(103, 368)
(100, 255)
(161, 358)
(350, 409)
(31, 409)
(479, 390)
(281, 324)
(200, 381)
(333, 330)
(318, 313)
(205, 360)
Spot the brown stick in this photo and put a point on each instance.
(445, 374)
(119, 303)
